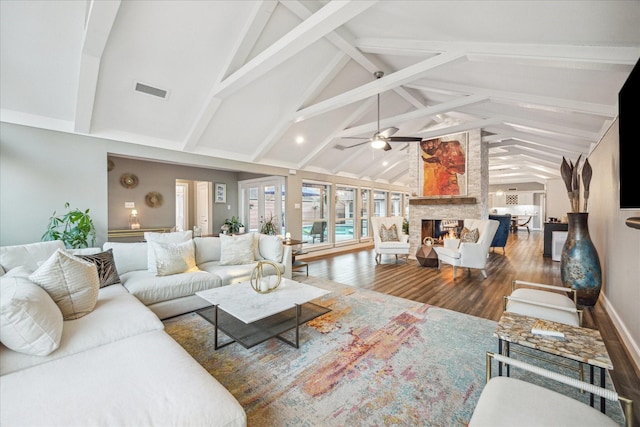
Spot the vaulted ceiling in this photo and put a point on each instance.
(291, 83)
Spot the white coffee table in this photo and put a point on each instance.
(250, 318)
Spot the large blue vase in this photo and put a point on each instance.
(579, 263)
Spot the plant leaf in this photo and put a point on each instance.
(586, 175)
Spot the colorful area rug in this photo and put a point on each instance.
(373, 360)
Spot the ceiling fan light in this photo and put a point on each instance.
(378, 143)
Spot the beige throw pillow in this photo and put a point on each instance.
(469, 236)
(389, 234)
(174, 258)
(236, 250)
(175, 237)
(71, 282)
(30, 322)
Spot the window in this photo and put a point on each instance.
(315, 212)
(380, 203)
(365, 194)
(396, 204)
(345, 212)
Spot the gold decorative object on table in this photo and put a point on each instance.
(265, 284)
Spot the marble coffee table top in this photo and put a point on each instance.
(247, 305)
(580, 344)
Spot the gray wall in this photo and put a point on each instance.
(161, 178)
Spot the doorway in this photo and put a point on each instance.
(193, 205)
(262, 199)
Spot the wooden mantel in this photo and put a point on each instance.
(443, 201)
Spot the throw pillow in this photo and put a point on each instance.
(72, 283)
(175, 237)
(236, 250)
(271, 248)
(469, 236)
(107, 272)
(174, 258)
(389, 234)
(30, 322)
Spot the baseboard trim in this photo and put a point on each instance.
(632, 346)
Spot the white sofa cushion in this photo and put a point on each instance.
(117, 315)
(150, 289)
(30, 322)
(145, 380)
(72, 283)
(175, 237)
(207, 249)
(174, 258)
(229, 274)
(128, 256)
(236, 250)
(30, 255)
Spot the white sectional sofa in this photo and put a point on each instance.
(114, 365)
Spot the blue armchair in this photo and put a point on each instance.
(500, 239)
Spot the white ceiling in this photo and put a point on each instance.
(246, 79)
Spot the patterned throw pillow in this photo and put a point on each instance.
(107, 272)
(174, 258)
(469, 236)
(389, 234)
(71, 282)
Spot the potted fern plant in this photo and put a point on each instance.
(74, 228)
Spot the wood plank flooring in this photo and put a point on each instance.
(471, 294)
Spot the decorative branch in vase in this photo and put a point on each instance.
(572, 178)
(579, 263)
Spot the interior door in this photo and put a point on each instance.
(204, 191)
(262, 199)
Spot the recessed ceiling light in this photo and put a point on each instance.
(300, 139)
(385, 163)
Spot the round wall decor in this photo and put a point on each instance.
(153, 199)
(110, 165)
(128, 180)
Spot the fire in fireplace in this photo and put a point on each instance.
(439, 228)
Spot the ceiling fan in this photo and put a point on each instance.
(381, 139)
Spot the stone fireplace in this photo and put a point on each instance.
(473, 205)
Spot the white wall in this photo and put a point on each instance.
(618, 245)
(40, 171)
(557, 199)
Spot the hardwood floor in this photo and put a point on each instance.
(471, 294)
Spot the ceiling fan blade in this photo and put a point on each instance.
(404, 138)
(343, 147)
(388, 132)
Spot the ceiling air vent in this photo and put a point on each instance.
(150, 90)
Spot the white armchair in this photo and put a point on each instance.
(467, 254)
(506, 401)
(540, 301)
(393, 247)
